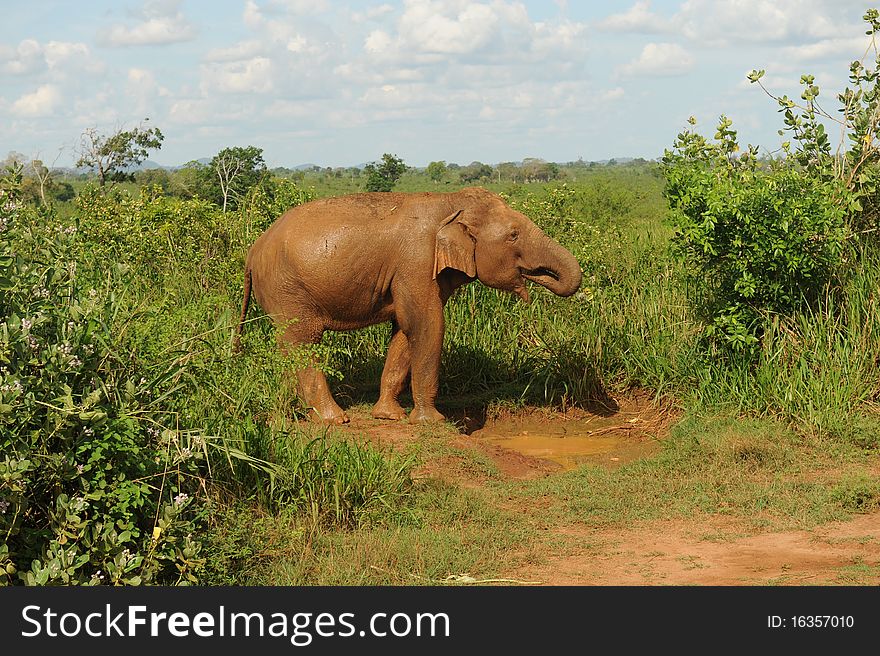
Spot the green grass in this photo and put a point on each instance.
(858, 573)
(450, 532)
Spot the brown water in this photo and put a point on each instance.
(571, 443)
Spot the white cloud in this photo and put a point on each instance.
(252, 15)
(612, 94)
(500, 33)
(725, 22)
(659, 59)
(27, 58)
(190, 111)
(441, 27)
(144, 93)
(249, 76)
(566, 39)
(31, 57)
(290, 109)
(242, 50)
(372, 14)
(59, 53)
(301, 6)
(161, 23)
(302, 45)
(638, 18)
(851, 47)
(377, 41)
(41, 102)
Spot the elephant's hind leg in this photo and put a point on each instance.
(394, 377)
(312, 386)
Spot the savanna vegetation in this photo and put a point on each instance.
(736, 286)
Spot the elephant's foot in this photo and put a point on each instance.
(334, 417)
(425, 415)
(388, 410)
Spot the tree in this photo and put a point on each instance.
(13, 158)
(509, 171)
(475, 171)
(436, 170)
(37, 180)
(231, 174)
(62, 190)
(43, 176)
(534, 168)
(238, 169)
(154, 177)
(381, 176)
(112, 157)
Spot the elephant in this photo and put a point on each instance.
(352, 261)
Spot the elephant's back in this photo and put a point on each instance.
(367, 217)
(329, 235)
(354, 210)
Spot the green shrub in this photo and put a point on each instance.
(756, 240)
(152, 233)
(96, 485)
(269, 200)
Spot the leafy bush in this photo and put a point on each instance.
(96, 485)
(384, 174)
(269, 200)
(755, 240)
(151, 232)
(771, 238)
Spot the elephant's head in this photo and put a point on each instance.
(486, 239)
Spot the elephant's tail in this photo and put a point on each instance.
(236, 341)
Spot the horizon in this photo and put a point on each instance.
(151, 163)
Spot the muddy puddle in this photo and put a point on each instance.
(570, 443)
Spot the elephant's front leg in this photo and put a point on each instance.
(420, 317)
(312, 387)
(394, 376)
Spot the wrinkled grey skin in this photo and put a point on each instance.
(353, 261)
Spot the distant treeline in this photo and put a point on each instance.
(531, 169)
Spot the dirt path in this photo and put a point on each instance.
(712, 552)
(709, 550)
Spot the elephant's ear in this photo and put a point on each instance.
(455, 247)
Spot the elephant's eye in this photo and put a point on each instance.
(514, 235)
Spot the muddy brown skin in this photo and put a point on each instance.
(353, 261)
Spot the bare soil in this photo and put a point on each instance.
(704, 550)
(712, 551)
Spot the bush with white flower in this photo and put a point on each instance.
(92, 483)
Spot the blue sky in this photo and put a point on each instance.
(340, 83)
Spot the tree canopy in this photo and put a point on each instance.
(436, 170)
(382, 176)
(112, 157)
(230, 175)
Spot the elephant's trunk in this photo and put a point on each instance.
(555, 268)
